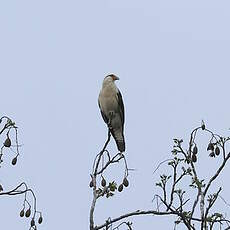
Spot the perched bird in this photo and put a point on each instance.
(112, 109)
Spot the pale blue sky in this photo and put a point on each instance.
(172, 58)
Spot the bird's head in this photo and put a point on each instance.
(111, 77)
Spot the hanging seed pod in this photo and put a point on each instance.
(28, 212)
(103, 182)
(194, 158)
(203, 126)
(125, 182)
(195, 150)
(212, 154)
(7, 142)
(120, 188)
(91, 184)
(32, 223)
(210, 146)
(14, 161)
(22, 213)
(40, 220)
(217, 151)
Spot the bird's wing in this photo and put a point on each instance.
(121, 107)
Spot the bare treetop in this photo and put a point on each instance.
(193, 205)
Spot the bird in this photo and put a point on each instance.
(112, 109)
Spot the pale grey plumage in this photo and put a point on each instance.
(112, 109)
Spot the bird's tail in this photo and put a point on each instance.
(119, 138)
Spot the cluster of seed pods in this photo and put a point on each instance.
(212, 147)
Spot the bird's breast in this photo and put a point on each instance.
(108, 100)
(109, 103)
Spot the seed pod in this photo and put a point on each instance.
(40, 220)
(210, 146)
(195, 150)
(103, 182)
(120, 188)
(32, 223)
(212, 154)
(28, 212)
(7, 142)
(91, 184)
(22, 213)
(203, 126)
(217, 151)
(14, 161)
(125, 182)
(194, 158)
(1, 188)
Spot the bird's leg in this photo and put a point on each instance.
(121, 155)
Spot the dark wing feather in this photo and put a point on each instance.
(106, 120)
(121, 106)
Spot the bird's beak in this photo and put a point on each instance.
(115, 78)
